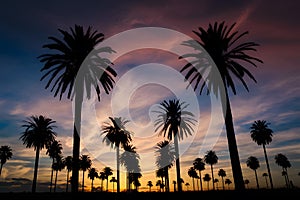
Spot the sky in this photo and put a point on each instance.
(148, 74)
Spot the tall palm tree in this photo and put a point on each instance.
(174, 121)
(211, 158)
(85, 163)
(200, 166)
(116, 136)
(38, 134)
(5, 154)
(165, 156)
(58, 165)
(221, 43)
(54, 151)
(207, 178)
(282, 161)
(262, 135)
(149, 184)
(68, 164)
(266, 175)
(92, 175)
(69, 59)
(108, 172)
(193, 174)
(253, 163)
(222, 174)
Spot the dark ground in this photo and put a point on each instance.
(283, 194)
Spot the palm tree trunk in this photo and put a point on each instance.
(267, 182)
(36, 165)
(200, 180)
(68, 172)
(198, 185)
(223, 183)
(287, 178)
(267, 162)
(212, 176)
(257, 185)
(167, 179)
(1, 168)
(76, 141)
(82, 188)
(232, 146)
(55, 182)
(179, 188)
(118, 169)
(51, 175)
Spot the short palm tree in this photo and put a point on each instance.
(253, 163)
(228, 182)
(221, 43)
(58, 165)
(38, 134)
(187, 186)
(5, 154)
(102, 177)
(165, 156)
(282, 161)
(113, 180)
(174, 184)
(211, 158)
(149, 184)
(266, 175)
(207, 178)
(116, 135)
(92, 175)
(199, 165)
(70, 58)
(160, 173)
(193, 174)
(68, 165)
(222, 174)
(85, 163)
(174, 122)
(108, 172)
(54, 151)
(262, 135)
(246, 183)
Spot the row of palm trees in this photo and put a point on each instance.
(220, 42)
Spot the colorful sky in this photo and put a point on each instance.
(25, 27)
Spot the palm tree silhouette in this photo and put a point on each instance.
(222, 174)
(174, 184)
(68, 165)
(38, 134)
(5, 154)
(130, 159)
(220, 42)
(108, 172)
(102, 177)
(246, 183)
(113, 180)
(149, 184)
(200, 166)
(58, 165)
(193, 174)
(116, 134)
(282, 161)
(63, 66)
(165, 156)
(253, 163)
(266, 175)
(262, 135)
(228, 182)
(207, 178)
(176, 122)
(211, 158)
(92, 175)
(54, 151)
(85, 163)
(187, 186)
(160, 173)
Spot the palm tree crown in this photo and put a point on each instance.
(261, 133)
(5, 154)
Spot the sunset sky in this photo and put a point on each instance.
(145, 78)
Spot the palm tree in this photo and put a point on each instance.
(149, 184)
(216, 181)
(200, 166)
(174, 121)
(222, 174)
(211, 158)
(5, 154)
(68, 165)
(160, 173)
(85, 163)
(187, 186)
(108, 172)
(165, 156)
(38, 134)
(246, 183)
(193, 174)
(130, 159)
(253, 163)
(113, 180)
(54, 151)
(282, 161)
(92, 175)
(62, 67)
(266, 175)
(228, 182)
(58, 165)
(115, 135)
(102, 177)
(220, 42)
(174, 184)
(207, 178)
(262, 135)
